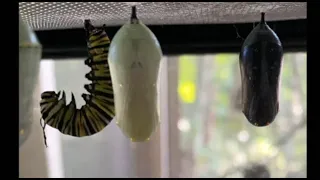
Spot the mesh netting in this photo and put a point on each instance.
(61, 15)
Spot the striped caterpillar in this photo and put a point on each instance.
(99, 110)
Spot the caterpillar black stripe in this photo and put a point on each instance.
(99, 110)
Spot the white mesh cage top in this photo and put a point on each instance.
(63, 15)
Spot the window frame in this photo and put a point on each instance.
(179, 39)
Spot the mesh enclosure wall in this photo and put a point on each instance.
(65, 15)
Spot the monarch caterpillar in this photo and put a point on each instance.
(260, 66)
(98, 111)
(134, 60)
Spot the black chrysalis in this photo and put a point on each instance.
(260, 66)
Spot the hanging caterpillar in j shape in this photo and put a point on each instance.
(99, 110)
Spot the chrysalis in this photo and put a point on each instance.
(134, 60)
(30, 51)
(260, 66)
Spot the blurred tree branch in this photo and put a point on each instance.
(208, 98)
(297, 75)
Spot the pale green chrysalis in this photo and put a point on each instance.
(134, 60)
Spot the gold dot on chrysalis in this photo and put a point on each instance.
(131, 139)
(148, 139)
(21, 131)
(120, 85)
(117, 122)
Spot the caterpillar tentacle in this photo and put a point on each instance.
(99, 109)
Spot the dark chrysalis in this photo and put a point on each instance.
(260, 66)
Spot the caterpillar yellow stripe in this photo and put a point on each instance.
(99, 109)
